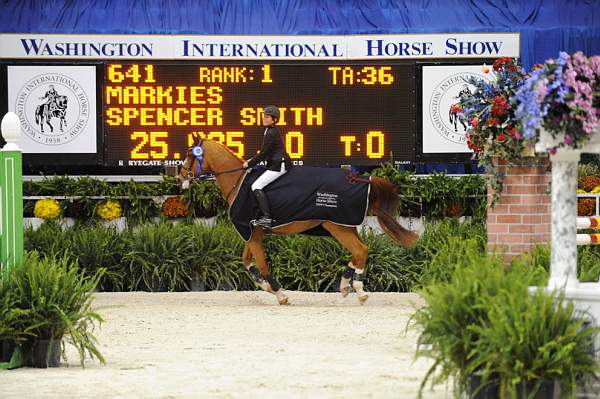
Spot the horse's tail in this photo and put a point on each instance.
(383, 203)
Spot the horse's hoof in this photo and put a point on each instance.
(265, 286)
(345, 291)
(363, 298)
(283, 301)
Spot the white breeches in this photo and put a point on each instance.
(268, 177)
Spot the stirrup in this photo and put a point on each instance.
(263, 222)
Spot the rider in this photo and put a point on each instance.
(278, 162)
(51, 94)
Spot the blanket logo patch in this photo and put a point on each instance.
(329, 200)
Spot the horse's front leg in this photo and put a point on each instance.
(257, 250)
(253, 270)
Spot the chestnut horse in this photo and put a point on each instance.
(229, 173)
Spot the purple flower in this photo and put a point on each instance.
(568, 139)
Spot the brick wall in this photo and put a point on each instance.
(521, 218)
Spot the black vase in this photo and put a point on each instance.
(547, 390)
(489, 391)
(42, 353)
(6, 350)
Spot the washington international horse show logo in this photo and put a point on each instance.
(448, 92)
(53, 108)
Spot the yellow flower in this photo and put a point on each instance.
(596, 190)
(581, 191)
(47, 208)
(109, 210)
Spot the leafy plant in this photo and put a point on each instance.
(138, 208)
(48, 239)
(484, 322)
(433, 195)
(159, 258)
(100, 248)
(216, 256)
(533, 338)
(13, 320)
(58, 301)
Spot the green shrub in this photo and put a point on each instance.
(216, 257)
(159, 258)
(57, 298)
(97, 248)
(484, 322)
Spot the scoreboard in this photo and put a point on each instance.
(331, 114)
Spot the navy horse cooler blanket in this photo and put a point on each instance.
(304, 193)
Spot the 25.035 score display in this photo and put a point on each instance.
(154, 145)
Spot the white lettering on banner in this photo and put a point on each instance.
(206, 47)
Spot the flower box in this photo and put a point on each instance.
(119, 223)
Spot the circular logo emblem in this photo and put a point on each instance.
(197, 151)
(53, 109)
(445, 94)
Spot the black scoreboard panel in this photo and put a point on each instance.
(332, 114)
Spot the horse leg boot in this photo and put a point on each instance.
(357, 284)
(253, 270)
(277, 290)
(263, 203)
(257, 250)
(258, 279)
(345, 281)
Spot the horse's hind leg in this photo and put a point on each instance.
(253, 270)
(348, 237)
(258, 251)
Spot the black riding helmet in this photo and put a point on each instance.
(273, 111)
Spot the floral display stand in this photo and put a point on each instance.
(563, 266)
(559, 109)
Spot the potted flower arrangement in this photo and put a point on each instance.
(44, 210)
(560, 102)
(492, 133)
(174, 207)
(111, 213)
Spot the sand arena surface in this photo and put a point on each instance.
(240, 345)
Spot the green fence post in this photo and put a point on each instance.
(11, 194)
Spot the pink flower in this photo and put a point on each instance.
(568, 139)
(553, 150)
(596, 64)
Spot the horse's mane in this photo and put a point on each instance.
(228, 151)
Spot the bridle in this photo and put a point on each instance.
(199, 155)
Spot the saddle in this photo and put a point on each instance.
(304, 193)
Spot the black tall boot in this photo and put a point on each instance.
(263, 204)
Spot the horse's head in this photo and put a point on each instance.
(61, 101)
(194, 166)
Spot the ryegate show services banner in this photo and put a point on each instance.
(443, 86)
(56, 106)
(291, 47)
